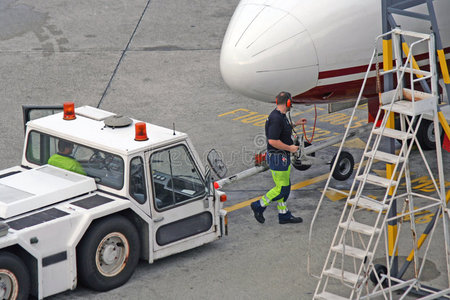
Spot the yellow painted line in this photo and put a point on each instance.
(241, 204)
(310, 181)
(444, 68)
(233, 112)
(293, 187)
(355, 143)
(335, 196)
(419, 244)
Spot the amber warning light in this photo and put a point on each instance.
(69, 111)
(141, 132)
(223, 198)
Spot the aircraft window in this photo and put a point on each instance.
(175, 177)
(137, 180)
(106, 168)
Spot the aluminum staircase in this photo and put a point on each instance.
(349, 266)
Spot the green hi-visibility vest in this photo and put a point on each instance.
(67, 163)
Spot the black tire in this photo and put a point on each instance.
(108, 253)
(380, 270)
(344, 166)
(297, 163)
(426, 136)
(14, 278)
(399, 127)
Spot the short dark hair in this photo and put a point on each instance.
(62, 144)
(283, 97)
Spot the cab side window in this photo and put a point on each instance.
(137, 180)
(175, 177)
(40, 147)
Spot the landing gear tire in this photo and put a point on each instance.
(297, 163)
(426, 135)
(344, 166)
(14, 278)
(380, 270)
(108, 254)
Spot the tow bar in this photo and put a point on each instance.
(302, 160)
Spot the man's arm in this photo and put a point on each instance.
(300, 121)
(77, 168)
(282, 146)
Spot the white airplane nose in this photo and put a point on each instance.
(267, 50)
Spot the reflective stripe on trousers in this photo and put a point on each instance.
(280, 192)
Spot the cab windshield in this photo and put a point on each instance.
(106, 168)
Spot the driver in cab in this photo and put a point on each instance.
(64, 160)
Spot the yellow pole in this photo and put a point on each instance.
(392, 226)
(443, 64)
(414, 62)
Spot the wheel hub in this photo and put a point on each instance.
(344, 166)
(112, 254)
(7, 281)
(3, 289)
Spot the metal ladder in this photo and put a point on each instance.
(349, 262)
(392, 8)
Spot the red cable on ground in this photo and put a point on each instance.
(314, 127)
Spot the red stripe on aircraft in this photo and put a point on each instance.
(363, 69)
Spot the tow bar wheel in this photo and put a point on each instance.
(344, 166)
(108, 254)
(14, 278)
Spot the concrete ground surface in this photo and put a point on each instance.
(56, 51)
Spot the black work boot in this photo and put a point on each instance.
(288, 218)
(258, 210)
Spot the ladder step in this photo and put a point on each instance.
(359, 227)
(377, 180)
(338, 191)
(392, 133)
(329, 296)
(415, 71)
(337, 273)
(384, 156)
(352, 251)
(410, 108)
(369, 203)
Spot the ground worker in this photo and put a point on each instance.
(279, 148)
(64, 160)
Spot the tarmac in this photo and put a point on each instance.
(166, 71)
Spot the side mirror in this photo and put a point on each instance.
(216, 163)
(208, 182)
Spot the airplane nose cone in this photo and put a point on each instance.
(267, 50)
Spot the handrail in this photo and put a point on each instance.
(308, 264)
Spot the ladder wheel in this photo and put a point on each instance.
(297, 163)
(381, 270)
(344, 166)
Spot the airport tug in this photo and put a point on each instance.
(145, 195)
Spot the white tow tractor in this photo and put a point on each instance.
(144, 197)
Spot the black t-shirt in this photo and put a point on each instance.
(278, 128)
